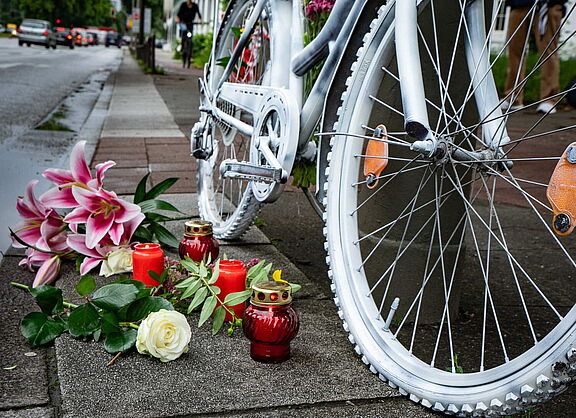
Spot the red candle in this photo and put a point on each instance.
(198, 241)
(144, 258)
(232, 278)
(270, 322)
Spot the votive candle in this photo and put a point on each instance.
(144, 258)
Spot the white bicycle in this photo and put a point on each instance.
(431, 194)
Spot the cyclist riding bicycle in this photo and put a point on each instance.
(185, 17)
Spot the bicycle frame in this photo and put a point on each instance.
(331, 43)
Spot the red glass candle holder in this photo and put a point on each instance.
(270, 322)
(144, 258)
(198, 241)
(231, 279)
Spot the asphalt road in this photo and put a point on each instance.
(34, 82)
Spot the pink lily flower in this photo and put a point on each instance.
(35, 258)
(98, 253)
(103, 213)
(48, 272)
(79, 175)
(39, 222)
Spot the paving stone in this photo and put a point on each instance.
(27, 384)
(28, 413)
(217, 375)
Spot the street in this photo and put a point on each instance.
(34, 81)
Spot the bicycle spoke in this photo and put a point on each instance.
(484, 272)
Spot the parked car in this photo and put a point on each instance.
(112, 38)
(96, 39)
(38, 32)
(89, 39)
(65, 36)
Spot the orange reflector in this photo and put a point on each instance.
(379, 149)
(561, 192)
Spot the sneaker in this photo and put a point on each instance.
(546, 107)
(506, 104)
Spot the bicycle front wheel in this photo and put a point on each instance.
(445, 270)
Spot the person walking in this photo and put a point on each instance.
(545, 18)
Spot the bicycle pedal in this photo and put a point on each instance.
(561, 192)
(377, 149)
(248, 171)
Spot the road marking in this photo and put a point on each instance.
(12, 64)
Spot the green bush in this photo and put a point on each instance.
(532, 87)
(201, 48)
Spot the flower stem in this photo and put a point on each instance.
(227, 309)
(116, 357)
(128, 325)
(24, 287)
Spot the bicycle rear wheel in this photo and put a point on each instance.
(230, 203)
(483, 325)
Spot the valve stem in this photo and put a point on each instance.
(391, 313)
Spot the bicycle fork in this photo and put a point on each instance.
(494, 134)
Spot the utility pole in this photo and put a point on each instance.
(141, 5)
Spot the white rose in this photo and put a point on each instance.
(117, 261)
(164, 334)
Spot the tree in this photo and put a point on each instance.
(70, 12)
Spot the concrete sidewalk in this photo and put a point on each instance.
(323, 378)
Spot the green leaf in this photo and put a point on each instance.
(233, 299)
(215, 290)
(48, 298)
(295, 287)
(161, 188)
(198, 299)
(186, 282)
(79, 260)
(153, 204)
(223, 62)
(83, 320)
(203, 271)
(120, 341)
(193, 288)
(154, 275)
(144, 234)
(97, 334)
(218, 320)
(109, 323)
(236, 31)
(156, 217)
(141, 308)
(40, 329)
(140, 193)
(164, 236)
(254, 270)
(86, 285)
(207, 308)
(114, 296)
(190, 265)
(215, 273)
(260, 277)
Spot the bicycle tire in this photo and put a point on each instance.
(529, 378)
(245, 209)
